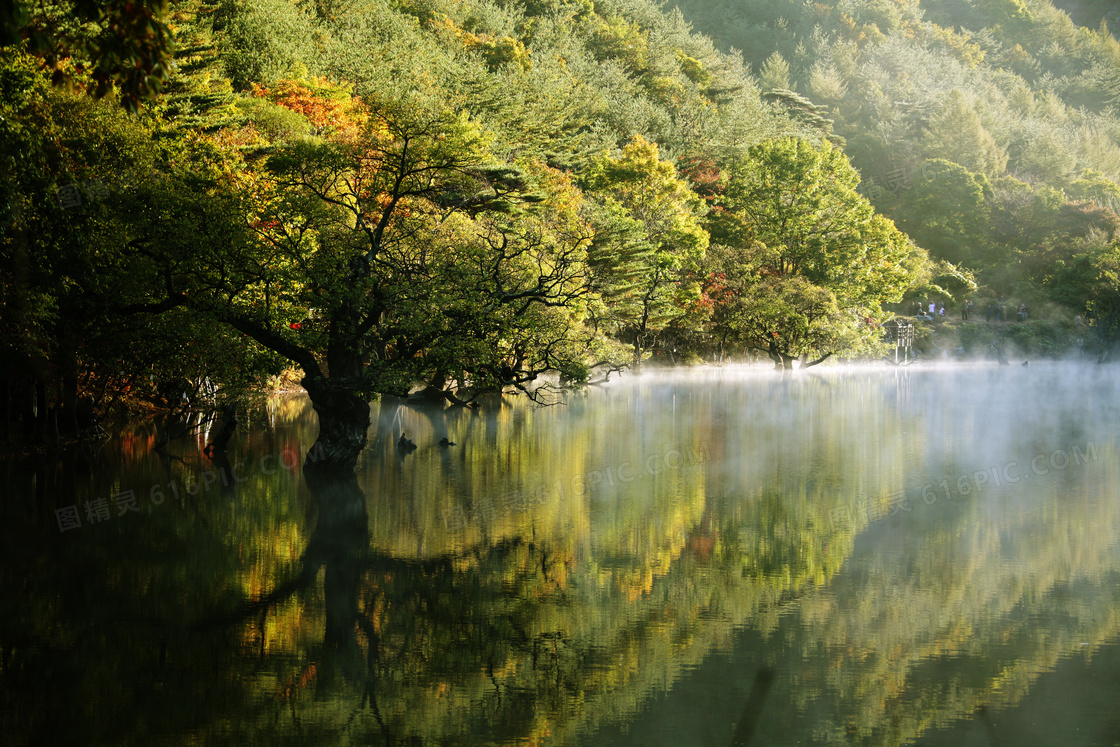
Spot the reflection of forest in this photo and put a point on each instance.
(925, 627)
(428, 600)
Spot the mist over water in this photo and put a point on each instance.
(976, 507)
(892, 550)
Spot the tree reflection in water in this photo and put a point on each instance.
(312, 608)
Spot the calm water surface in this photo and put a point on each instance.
(859, 557)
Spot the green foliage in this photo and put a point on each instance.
(79, 314)
(664, 241)
(1047, 338)
(263, 41)
(474, 196)
(946, 212)
(813, 261)
(107, 47)
(957, 129)
(1095, 187)
(616, 38)
(694, 70)
(800, 200)
(275, 122)
(802, 110)
(775, 73)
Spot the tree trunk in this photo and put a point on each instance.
(221, 439)
(42, 412)
(341, 543)
(26, 393)
(343, 422)
(782, 361)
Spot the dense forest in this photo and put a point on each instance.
(393, 196)
(987, 131)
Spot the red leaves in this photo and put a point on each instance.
(328, 107)
(265, 225)
(705, 177)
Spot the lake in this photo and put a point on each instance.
(871, 556)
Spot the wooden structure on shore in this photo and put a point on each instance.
(900, 331)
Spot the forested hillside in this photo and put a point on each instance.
(479, 195)
(988, 130)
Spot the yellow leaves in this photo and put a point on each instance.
(960, 45)
(441, 24)
(244, 137)
(694, 70)
(563, 197)
(499, 51)
(617, 38)
(376, 131)
(668, 90)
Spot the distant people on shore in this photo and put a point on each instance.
(995, 311)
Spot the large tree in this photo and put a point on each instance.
(946, 212)
(809, 262)
(73, 337)
(657, 280)
(388, 252)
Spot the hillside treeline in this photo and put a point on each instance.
(471, 196)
